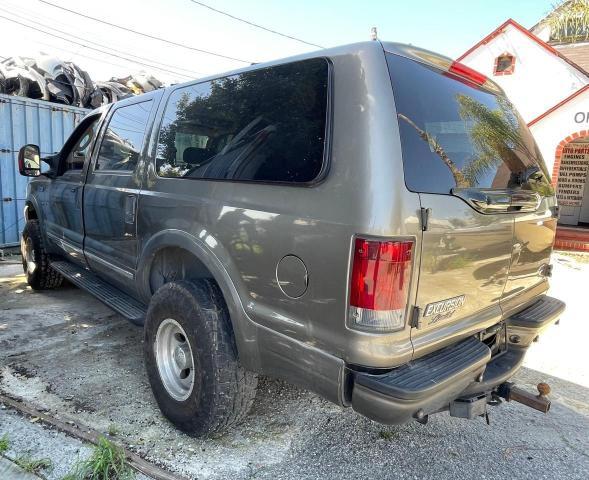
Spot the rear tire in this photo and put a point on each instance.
(35, 261)
(191, 359)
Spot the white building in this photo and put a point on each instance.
(551, 92)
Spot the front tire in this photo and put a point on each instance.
(191, 359)
(35, 261)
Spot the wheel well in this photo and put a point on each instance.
(30, 212)
(175, 263)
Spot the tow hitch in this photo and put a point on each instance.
(476, 406)
(539, 402)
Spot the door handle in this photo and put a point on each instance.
(130, 207)
(525, 201)
(499, 201)
(75, 191)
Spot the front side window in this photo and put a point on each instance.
(82, 149)
(265, 125)
(123, 138)
(458, 134)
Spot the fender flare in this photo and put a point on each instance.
(32, 202)
(244, 328)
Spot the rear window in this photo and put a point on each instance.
(266, 125)
(456, 134)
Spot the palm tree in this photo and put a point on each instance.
(459, 178)
(496, 137)
(569, 21)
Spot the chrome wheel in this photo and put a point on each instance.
(173, 356)
(28, 254)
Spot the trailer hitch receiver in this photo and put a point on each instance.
(539, 402)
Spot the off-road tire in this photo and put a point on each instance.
(43, 277)
(223, 391)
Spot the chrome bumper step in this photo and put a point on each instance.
(543, 312)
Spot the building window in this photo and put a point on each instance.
(504, 64)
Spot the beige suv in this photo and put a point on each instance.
(373, 222)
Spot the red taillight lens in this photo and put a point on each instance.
(467, 72)
(379, 286)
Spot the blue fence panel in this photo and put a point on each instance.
(22, 121)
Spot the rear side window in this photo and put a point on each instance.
(123, 139)
(456, 134)
(266, 125)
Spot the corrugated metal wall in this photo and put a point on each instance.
(22, 121)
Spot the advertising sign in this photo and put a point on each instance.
(572, 174)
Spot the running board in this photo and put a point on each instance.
(106, 293)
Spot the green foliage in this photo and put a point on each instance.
(497, 136)
(113, 430)
(4, 443)
(107, 462)
(386, 435)
(33, 465)
(569, 22)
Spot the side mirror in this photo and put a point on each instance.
(29, 161)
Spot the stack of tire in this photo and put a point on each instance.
(48, 78)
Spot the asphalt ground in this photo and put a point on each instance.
(66, 353)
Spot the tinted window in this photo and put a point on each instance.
(457, 134)
(121, 144)
(81, 149)
(264, 125)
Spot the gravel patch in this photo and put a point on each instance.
(65, 352)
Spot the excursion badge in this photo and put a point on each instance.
(443, 309)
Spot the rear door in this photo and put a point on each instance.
(475, 166)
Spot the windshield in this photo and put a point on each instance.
(456, 134)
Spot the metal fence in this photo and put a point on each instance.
(22, 121)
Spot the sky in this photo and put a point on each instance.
(448, 27)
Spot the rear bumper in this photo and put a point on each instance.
(429, 384)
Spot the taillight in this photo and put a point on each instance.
(379, 285)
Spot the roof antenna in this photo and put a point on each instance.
(373, 34)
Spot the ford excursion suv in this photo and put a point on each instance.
(372, 222)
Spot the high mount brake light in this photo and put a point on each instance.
(467, 72)
(379, 285)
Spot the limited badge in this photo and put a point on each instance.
(444, 308)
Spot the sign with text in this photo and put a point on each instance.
(572, 174)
